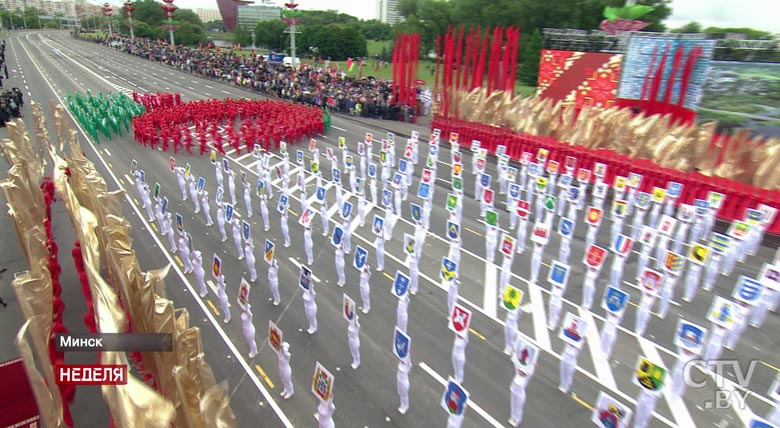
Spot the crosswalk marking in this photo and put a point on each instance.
(538, 313)
(601, 364)
(490, 291)
(680, 413)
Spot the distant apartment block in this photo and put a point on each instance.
(387, 11)
(249, 16)
(208, 15)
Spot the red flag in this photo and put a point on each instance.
(656, 87)
(513, 62)
(479, 79)
(671, 78)
(459, 58)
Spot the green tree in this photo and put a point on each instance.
(242, 36)
(270, 35)
(143, 29)
(148, 11)
(189, 34)
(750, 33)
(374, 29)
(529, 68)
(214, 26)
(187, 15)
(691, 27)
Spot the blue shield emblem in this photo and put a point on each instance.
(754, 215)
(643, 200)
(416, 212)
(282, 207)
(358, 182)
(321, 194)
(424, 191)
(304, 279)
(387, 198)
(448, 269)
(400, 285)
(674, 189)
(165, 204)
(433, 150)
(379, 225)
(201, 183)
(534, 169)
(615, 300)
(372, 170)
(701, 206)
(514, 191)
(565, 181)
(566, 227)
(346, 210)
(484, 180)
(690, 336)
(559, 274)
(338, 235)
(453, 230)
(397, 179)
(455, 398)
(218, 197)
(401, 344)
(573, 194)
(361, 255)
(748, 290)
(336, 174)
(299, 157)
(402, 165)
(229, 213)
(245, 230)
(225, 165)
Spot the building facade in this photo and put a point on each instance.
(208, 15)
(48, 7)
(229, 11)
(249, 16)
(387, 11)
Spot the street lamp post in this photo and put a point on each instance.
(129, 8)
(107, 12)
(169, 23)
(292, 17)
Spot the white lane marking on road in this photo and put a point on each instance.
(603, 370)
(190, 88)
(217, 327)
(340, 129)
(244, 156)
(490, 299)
(209, 86)
(298, 265)
(195, 82)
(679, 411)
(472, 405)
(107, 152)
(226, 92)
(538, 313)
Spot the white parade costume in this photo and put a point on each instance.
(536, 261)
(206, 208)
(491, 240)
(609, 333)
(714, 346)
(414, 273)
(232, 187)
(339, 255)
(353, 337)
(310, 307)
(148, 204)
(522, 376)
(184, 253)
(221, 222)
(285, 371)
(692, 281)
(379, 244)
(645, 406)
(667, 293)
(325, 414)
(459, 356)
(365, 289)
(346, 240)
(237, 239)
(402, 384)
(522, 232)
(273, 281)
(182, 183)
(643, 313)
(324, 219)
(249, 330)
(309, 245)
(170, 233)
(248, 200)
(568, 366)
(555, 305)
(589, 287)
(199, 272)
(452, 294)
(194, 194)
(510, 330)
(684, 357)
(223, 299)
(264, 213)
(249, 252)
(285, 229)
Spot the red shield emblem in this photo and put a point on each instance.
(426, 176)
(461, 319)
(408, 151)
(487, 196)
(523, 208)
(595, 256)
(594, 216)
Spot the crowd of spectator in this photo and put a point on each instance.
(315, 86)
